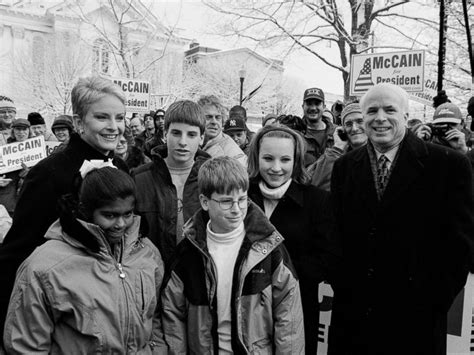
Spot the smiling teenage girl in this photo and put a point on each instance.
(300, 212)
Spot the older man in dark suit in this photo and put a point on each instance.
(404, 223)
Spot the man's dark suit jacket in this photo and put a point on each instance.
(403, 259)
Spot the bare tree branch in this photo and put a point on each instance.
(386, 9)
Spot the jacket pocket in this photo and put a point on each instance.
(262, 347)
(145, 294)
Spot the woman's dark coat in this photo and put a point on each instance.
(303, 218)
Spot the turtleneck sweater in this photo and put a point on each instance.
(271, 196)
(224, 248)
(179, 177)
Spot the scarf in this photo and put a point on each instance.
(272, 196)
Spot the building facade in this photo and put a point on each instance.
(46, 45)
(213, 71)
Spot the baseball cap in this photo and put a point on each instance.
(313, 93)
(447, 113)
(234, 124)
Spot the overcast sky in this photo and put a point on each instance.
(196, 21)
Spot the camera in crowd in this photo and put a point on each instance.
(338, 106)
(439, 129)
(342, 134)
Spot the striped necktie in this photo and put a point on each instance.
(382, 172)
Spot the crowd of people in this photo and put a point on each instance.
(183, 232)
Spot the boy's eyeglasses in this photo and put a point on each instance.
(227, 204)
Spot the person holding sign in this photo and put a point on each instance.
(99, 111)
(11, 182)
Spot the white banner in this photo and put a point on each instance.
(137, 93)
(429, 92)
(28, 152)
(405, 69)
(460, 319)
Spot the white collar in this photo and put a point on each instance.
(389, 154)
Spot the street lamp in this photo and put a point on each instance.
(242, 73)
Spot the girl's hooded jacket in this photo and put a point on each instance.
(72, 296)
(267, 317)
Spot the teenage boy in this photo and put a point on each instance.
(232, 288)
(167, 193)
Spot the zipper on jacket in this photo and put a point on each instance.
(127, 305)
(209, 270)
(121, 274)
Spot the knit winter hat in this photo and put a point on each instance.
(6, 102)
(63, 121)
(35, 118)
(350, 108)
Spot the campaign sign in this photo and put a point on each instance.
(28, 152)
(430, 90)
(405, 69)
(137, 93)
(459, 319)
(51, 147)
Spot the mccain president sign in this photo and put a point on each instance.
(405, 69)
(137, 93)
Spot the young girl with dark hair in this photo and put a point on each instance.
(93, 286)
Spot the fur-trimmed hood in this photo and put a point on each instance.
(74, 230)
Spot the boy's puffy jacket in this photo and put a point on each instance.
(266, 311)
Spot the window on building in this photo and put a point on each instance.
(101, 58)
(38, 53)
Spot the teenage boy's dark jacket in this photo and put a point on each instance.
(405, 257)
(157, 199)
(266, 307)
(303, 218)
(36, 208)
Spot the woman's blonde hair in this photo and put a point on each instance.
(91, 89)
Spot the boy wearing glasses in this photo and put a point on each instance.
(216, 142)
(232, 287)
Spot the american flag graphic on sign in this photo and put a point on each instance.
(364, 81)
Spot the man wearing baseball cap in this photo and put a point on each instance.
(319, 131)
(446, 128)
(346, 138)
(236, 128)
